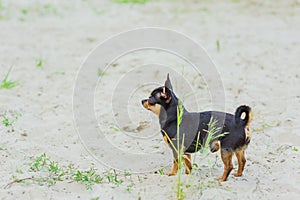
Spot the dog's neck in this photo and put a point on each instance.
(168, 115)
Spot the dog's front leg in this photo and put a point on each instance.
(174, 169)
(187, 163)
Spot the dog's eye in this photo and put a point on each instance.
(152, 101)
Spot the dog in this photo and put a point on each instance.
(234, 133)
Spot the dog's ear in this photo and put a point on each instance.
(168, 83)
(166, 94)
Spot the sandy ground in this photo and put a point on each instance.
(257, 59)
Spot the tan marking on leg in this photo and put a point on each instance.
(166, 140)
(247, 133)
(240, 155)
(228, 166)
(187, 163)
(174, 169)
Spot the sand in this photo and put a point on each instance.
(255, 46)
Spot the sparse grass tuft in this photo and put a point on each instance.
(213, 133)
(58, 73)
(129, 187)
(161, 171)
(6, 84)
(88, 177)
(100, 72)
(39, 163)
(295, 149)
(218, 44)
(2, 148)
(20, 171)
(24, 11)
(115, 128)
(45, 171)
(9, 118)
(39, 63)
(112, 177)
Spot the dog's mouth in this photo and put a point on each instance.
(146, 104)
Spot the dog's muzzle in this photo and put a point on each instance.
(146, 104)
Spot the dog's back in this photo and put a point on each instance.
(237, 133)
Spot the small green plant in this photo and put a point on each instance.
(39, 163)
(53, 167)
(295, 149)
(114, 128)
(127, 174)
(39, 63)
(100, 72)
(129, 187)
(196, 148)
(9, 118)
(6, 84)
(218, 45)
(213, 133)
(47, 171)
(88, 177)
(113, 178)
(161, 171)
(180, 148)
(140, 179)
(20, 171)
(24, 11)
(58, 73)
(49, 9)
(179, 151)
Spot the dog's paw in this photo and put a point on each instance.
(237, 174)
(170, 174)
(220, 179)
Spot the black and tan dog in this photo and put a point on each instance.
(193, 127)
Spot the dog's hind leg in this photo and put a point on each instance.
(240, 155)
(228, 166)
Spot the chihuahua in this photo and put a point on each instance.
(232, 138)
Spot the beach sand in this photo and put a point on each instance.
(255, 46)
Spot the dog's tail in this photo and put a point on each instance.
(246, 119)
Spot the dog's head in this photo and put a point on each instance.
(160, 97)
